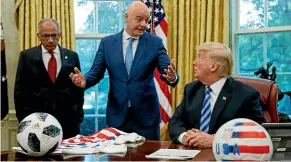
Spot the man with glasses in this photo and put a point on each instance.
(43, 84)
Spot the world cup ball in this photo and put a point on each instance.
(242, 139)
(39, 134)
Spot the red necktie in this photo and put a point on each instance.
(52, 67)
(52, 70)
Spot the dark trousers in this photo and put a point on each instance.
(71, 131)
(131, 125)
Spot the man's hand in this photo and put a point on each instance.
(78, 78)
(186, 138)
(170, 72)
(189, 136)
(200, 139)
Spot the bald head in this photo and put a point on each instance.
(136, 18)
(137, 6)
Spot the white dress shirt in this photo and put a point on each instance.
(216, 88)
(46, 57)
(125, 37)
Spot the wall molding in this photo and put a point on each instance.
(11, 116)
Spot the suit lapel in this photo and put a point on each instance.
(64, 61)
(118, 43)
(222, 99)
(139, 51)
(197, 105)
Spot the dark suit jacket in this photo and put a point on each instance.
(236, 100)
(138, 86)
(35, 92)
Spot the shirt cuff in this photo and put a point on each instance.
(180, 138)
(174, 80)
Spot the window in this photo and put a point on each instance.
(261, 34)
(95, 19)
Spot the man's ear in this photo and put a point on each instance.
(214, 67)
(38, 36)
(126, 17)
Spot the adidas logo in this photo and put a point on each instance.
(35, 126)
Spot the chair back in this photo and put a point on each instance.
(269, 96)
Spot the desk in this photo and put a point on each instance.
(132, 154)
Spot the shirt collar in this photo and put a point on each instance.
(217, 86)
(56, 50)
(126, 36)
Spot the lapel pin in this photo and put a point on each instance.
(66, 57)
(224, 98)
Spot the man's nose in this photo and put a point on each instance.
(50, 39)
(195, 62)
(143, 23)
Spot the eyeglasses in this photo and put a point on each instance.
(47, 36)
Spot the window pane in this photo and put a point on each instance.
(84, 16)
(103, 89)
(250, 52)
(284, 82)
(86, 49)
(279, 50)
(90, 101)
(284, 106)
(88, 126)
(102, 123)
(279, 13)
(251, 14)
(108, 17)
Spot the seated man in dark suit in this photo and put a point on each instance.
(43, 84)
(212, 100)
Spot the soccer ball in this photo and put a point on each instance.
(242, 139)
(39, 134)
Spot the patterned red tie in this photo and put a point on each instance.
(52, 67)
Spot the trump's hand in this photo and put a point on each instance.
(78, 78)
(187, 137)
(170, 72)
(200, 139)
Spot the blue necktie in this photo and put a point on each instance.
(129, 55)
(206, 111)
(129, 59)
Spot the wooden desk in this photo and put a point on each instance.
(132, 154)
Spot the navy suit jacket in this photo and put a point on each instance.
(35, 92)
(138, 85)
(236, 100)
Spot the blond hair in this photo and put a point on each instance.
(220, 54)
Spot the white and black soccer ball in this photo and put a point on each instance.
(39, 134)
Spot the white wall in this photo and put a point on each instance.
(10, 34)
